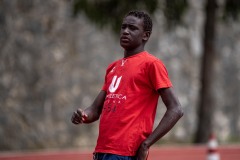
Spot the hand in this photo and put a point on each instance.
(79, 116)
(143, 151)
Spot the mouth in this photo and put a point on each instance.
(124, 39)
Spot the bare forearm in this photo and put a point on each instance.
(169, 119)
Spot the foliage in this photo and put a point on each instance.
(110, 12)
(232, 9)
(173, 11)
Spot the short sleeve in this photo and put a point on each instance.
(109, 68)
(159, 76)
(104, 87)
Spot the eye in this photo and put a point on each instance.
(123, 26)
(131, 27)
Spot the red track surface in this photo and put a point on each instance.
(160, 153)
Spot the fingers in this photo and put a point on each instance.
(79, 116)
(82, 113)
(142, 153)
(76, 118)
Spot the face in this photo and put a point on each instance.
(132, 34)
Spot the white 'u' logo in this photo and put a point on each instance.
(113, 86)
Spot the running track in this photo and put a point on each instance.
(160, 153)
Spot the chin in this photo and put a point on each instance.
(124, 46)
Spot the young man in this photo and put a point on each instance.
(128, 100)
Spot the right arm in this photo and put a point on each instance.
(92, 113)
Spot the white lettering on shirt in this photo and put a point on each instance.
(114, 85)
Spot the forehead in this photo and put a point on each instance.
(133, 21)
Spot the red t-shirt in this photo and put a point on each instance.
(130, 106)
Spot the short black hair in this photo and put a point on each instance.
(147, 21)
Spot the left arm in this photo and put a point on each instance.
(173, 113)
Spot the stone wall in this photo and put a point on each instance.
(52, 63)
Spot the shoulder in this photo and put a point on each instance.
(152, 60)
(112, 65)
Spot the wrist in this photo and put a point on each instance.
(145, 144)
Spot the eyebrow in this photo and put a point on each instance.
(129, 24)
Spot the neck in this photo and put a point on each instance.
(128, 53)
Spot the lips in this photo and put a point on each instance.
(124, 39)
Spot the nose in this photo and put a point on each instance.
(125, 30)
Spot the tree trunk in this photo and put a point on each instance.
(206, 105)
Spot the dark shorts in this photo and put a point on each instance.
(107, 156)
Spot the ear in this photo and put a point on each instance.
(146, 35)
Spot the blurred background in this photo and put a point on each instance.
(53, 56)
